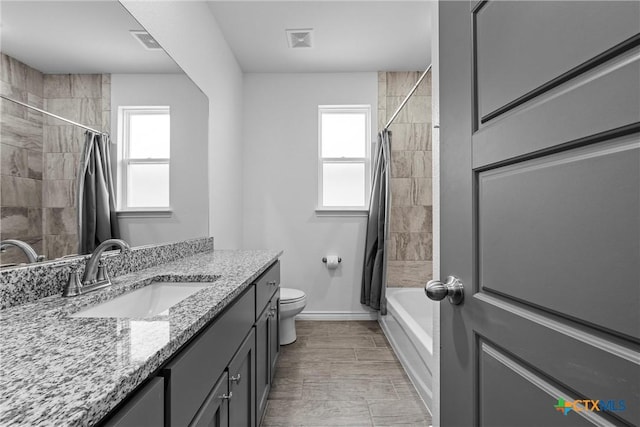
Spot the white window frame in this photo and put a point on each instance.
(345, 210)
(124, 160)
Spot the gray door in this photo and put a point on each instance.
(540, 212)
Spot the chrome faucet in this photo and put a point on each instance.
(29, 252)
(95, 273)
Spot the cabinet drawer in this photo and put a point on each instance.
(194, 371)
(266, 286)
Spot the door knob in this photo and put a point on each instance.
(452, 288)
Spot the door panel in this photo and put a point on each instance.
(521, 46)
(526, 404)
(541, 239)
(551, 119)
(540, 213)
(215, 409)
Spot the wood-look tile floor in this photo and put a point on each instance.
(342, 374)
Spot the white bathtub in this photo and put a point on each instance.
(408, 326)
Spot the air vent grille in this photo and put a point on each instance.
(146, 40)
(300, 38)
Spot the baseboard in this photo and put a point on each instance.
(337, 315)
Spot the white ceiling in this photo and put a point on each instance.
(77, 37)
(349, 36)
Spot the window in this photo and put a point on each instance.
(344, 166)
(143, 158)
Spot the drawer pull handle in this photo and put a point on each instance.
(227, 396)
(235, 379)
(271, 283)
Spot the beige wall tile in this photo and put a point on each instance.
(401, 136)
(14, 72)
(382, 76)
(401, 191)
(15, 222)
(422, 192)
(401, 164)
(60, 244)
(21, 192)
(410, 219)
(34, 115)
(401, 83)
(59, 193)
(409, 273)
(61, 165)
(393, 102)
(35, 82)
(13, 161)
(425, 87)
(21, 133)
(68, 108)
(63, 139)
(382, 98)
(421, 140)
(35, 222)
(91, 112)
(419, 109)
(86, 85)
(34, 164)
(422, 167)
(57, 86)
(414, 246)
(60, 221)
(106, 78)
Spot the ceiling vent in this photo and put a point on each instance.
(299, 38)
(146, 40)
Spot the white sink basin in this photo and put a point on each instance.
(151, 300)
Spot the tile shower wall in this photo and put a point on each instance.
(410, 251)
(40, 155)
(21, 142)
(86, 99)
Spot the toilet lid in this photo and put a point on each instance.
(290, 295)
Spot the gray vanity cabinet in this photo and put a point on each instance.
(267, 350)
(215, 410)
(144, 409)
(193, 372)
(222, 377)
(242, 384)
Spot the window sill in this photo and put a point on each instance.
(342, 212)
(145, 213)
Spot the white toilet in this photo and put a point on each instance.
(292, 302)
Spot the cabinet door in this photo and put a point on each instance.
(274, 334)
(242, 384)
(146, 408)
(263, 362)
(215, 409)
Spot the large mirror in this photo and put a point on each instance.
(88, 63)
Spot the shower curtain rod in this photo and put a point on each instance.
(408, 96)
(52, 115)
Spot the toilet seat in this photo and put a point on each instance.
(290, 296)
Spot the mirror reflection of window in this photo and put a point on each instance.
(143, 158)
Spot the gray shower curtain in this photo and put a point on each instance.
(97, 220)
(374, 274)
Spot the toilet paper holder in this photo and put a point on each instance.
(324, 259)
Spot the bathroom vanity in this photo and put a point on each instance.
(223, 375)
(207, 360)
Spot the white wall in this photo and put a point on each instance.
(280, 185)
(189, 122)
(190, 34)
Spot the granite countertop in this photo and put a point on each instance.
(57, 370)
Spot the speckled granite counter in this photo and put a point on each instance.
(58, 371)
